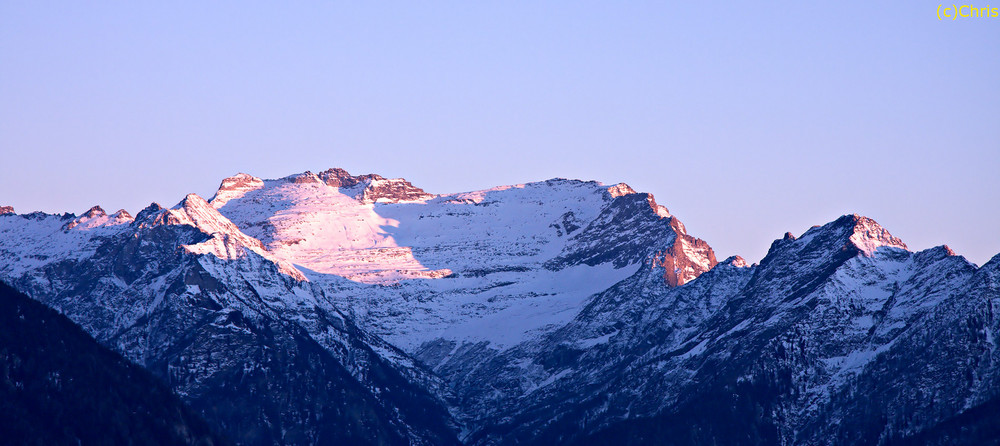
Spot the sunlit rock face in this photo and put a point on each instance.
(334, 307)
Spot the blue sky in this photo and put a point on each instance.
(745, 120)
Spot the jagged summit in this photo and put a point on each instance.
(392, 191)
(95, 211)
(736, 261)
(96, 217)
(146, 215)
(374, 188)
(864, 233)
(334, 177)
(195, 211)
(368, 188)
(851, 231)
(234, 187)
(303, 178)
(620, 189)
(338, 177)
(226, 241)
(6, 210)
(192, 201)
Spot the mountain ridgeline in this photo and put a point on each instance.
(333, 308)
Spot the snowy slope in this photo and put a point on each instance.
(500, 265)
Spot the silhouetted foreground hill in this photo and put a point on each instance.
(59, 386)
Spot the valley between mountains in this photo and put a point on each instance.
(331, 308)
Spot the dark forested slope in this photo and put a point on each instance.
(59, 386)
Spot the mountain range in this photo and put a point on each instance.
(333, 308)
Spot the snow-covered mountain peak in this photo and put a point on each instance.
(195, 206)
(852, 230)
(735, 261)
(620, 189)
(195, 211)
(948, 250)
(625, 230)
(234, 187)
(376, 188)
(868, 235)
(226, 240)
(6, 210)
(146, 216)
(94, 212)
(508, 253)
(368, 188)
(96, 217)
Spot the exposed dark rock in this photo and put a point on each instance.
(146, 215)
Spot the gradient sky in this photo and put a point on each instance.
(746, 120)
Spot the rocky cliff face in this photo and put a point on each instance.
(334, 307)
(633, 229)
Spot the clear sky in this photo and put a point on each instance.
(745, 119)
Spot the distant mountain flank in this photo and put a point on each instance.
(331, 307)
